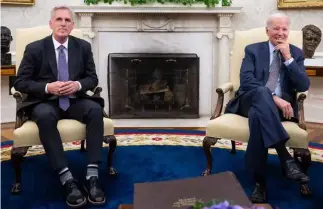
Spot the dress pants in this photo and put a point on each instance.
(46, 116)
(265, 127)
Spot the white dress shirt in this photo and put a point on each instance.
(56, 45)
(278, 90)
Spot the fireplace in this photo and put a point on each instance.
(153, 85)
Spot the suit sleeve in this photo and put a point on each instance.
(297, 73)
(90, 79)
(25, 81)
(248, 80)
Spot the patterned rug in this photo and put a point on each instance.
(136, 137)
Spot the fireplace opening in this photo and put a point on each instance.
(151, 85)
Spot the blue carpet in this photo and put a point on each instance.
(41, 188)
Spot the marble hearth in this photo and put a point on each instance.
(156, 29)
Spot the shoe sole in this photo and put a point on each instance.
(78, 205)
(96, 203)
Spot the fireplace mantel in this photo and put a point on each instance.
(154, 9)
(211, 28)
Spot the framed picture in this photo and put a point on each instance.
(18, 2)
(299, 4)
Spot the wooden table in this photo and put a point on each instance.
(266, 206)
(8, 70)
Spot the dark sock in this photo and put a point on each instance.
(282, 152)
(92, 170)
(65, 175)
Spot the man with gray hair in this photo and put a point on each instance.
(272, 72)
(56, 72)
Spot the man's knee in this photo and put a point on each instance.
(45, 114)
(262, 92)
(94, 109)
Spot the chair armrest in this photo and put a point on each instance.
(301, 96)
(224, 88)
(95, 92)
(20, 97)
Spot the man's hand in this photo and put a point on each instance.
(53, 88)
(68, 88)
(283, 47)
(285, 107)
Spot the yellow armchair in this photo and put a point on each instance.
(235, 127)
(26, 133)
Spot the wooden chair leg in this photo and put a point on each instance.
(112, 141)
(82, 146)
(17, 155)
(303, 157)
(233, 144)
(207, 143)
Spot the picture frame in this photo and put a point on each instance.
(299, 4)
(18, 2)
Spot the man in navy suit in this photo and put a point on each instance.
(272, 72)
(56, 72)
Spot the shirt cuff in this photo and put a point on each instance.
(287, 62)
(46, 91)
(80, 86)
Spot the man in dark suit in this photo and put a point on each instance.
(272, 73)
(55, 73)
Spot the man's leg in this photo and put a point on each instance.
(46, 116)
(91, 114)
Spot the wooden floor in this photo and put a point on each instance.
(315, 132)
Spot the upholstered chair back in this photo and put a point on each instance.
(24, 36)
(244, 38)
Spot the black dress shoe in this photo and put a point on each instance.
(74, 196)
(259, 194)
(293, 172)
(96, 195)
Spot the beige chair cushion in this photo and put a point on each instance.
(70, 130)
(235, 127)
(24, 36)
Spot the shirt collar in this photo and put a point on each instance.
(271, 47)
(57, 44)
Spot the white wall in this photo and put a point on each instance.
(253, 15)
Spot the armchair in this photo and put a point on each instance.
(26, 133)
(235, 127)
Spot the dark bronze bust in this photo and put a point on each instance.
(6, 39)
(311, 39)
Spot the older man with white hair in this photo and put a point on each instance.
(272, 72)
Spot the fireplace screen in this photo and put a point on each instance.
(153, 85)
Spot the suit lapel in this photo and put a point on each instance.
(73, 56)
(51, 56)
(265, 60)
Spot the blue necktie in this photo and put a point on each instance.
(64, 101)
(274, 72)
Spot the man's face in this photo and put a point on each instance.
(278, 30)
(62, 23)
(311, 40)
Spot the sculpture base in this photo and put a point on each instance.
(6, 59)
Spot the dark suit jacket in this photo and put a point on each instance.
(254, 72)
(39, 67)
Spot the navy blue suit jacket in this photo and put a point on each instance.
(254, 72)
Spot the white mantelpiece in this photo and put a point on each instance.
(196, 29)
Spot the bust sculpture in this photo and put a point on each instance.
(311, 39)
(6, 39)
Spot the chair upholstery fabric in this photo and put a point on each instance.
(235, 127)
(70, 130)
